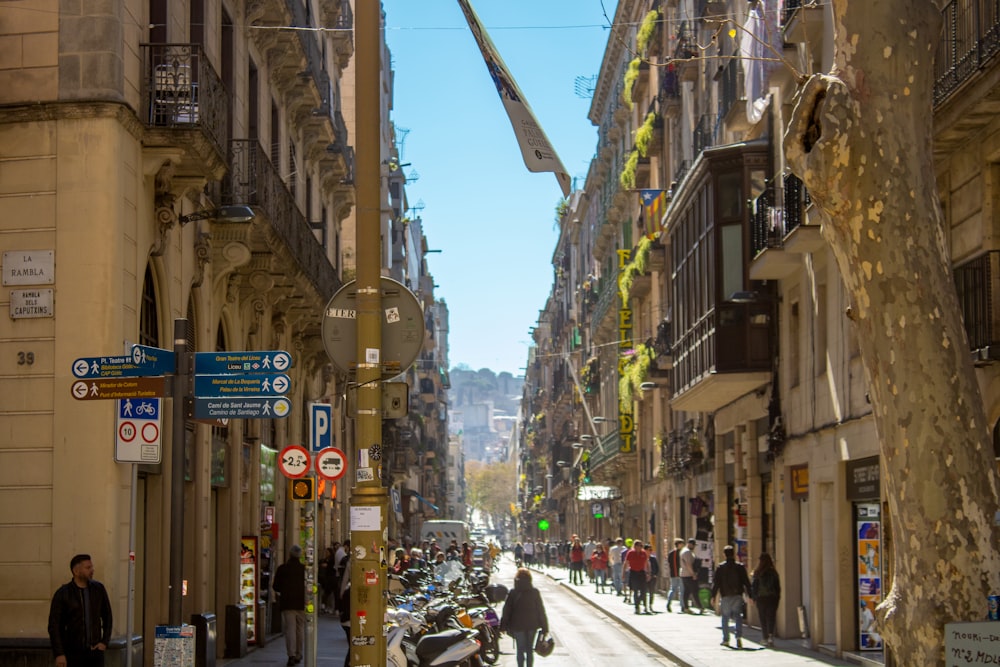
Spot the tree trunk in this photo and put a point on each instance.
(861, 140)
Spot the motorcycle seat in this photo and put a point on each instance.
(436, 643)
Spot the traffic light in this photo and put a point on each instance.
(303, 489)
(585, 467)
(543, 525)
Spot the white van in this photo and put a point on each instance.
(443, 531)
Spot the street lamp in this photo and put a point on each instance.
(222, 214)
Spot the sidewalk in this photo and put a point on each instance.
(693, 640)
(331, 647)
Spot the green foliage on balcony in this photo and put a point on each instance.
(631, 74)
(644, 135)
(646, 30)
(636, 267)
(635, 370)
(627, 177)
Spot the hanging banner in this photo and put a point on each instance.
(536, 150)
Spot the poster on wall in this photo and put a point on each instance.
(248, 584)
(869, 568)
(741, 512)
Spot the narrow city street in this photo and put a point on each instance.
(596, 629)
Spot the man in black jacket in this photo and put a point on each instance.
(80, 618)
(732, 582)
(290, 585)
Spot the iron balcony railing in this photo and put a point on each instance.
(789, 11)
(766, 228)
(730, 85)
(252, 180)
(971, 37)
(978, 285)
(796, 201)
(181, 90)
(704, 134)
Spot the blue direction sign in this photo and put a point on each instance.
(256, 384)
(225, 363)
(142, 361)
(272, 407)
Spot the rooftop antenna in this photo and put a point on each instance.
(584, 86)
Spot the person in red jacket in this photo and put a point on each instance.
(599, 564)
(576, 562)
(637, 564)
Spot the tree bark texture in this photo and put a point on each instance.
(860, 138)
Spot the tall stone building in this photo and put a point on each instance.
(694, 372)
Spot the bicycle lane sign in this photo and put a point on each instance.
(137, 432)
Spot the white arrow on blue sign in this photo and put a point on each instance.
(223, 363)
(255, 384)
(142, 361)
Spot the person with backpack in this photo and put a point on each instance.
(731, 583)
(765, 592)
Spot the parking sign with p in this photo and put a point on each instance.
(320, 428)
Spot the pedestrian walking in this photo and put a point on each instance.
(290, 587)
(674, 570)
(523, 616)
(765, 591)
(576, 552)
(599, 565)
(731, 584)
(637, 564)
(654, 573)
(80, 618)
(615, 559)
(588, 552)
(689, 575)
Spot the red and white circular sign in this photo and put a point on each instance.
(331, 463)
(294, 461)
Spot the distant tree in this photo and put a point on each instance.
(489, 488)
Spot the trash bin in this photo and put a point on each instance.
(236, 630)
(204, 639)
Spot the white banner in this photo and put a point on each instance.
(536, 150)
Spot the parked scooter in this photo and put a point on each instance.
(408, 646)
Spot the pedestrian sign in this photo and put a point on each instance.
(138, 433)
(142, 361)
(257, 384)
(270, 407)
(224, 363)
(119, 387)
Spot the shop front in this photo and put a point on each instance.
(864, 492)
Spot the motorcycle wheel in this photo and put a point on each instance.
(489, 650)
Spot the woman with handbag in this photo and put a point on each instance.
(523, 616)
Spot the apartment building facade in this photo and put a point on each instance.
(172, 172)
(715, 387)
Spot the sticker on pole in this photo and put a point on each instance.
(331, 464)
(294, 461)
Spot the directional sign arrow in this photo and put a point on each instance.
(142, 361)
(255, 384)
(105, 388)
(222, 363)
(242, 408)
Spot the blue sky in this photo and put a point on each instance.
(492, 219)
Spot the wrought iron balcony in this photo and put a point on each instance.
(971, 37)
(185, 104)
(253, 180)
(978, 286)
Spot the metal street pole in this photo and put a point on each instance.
(180, 386)
(369, 500)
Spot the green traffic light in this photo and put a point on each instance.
(543, 525)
